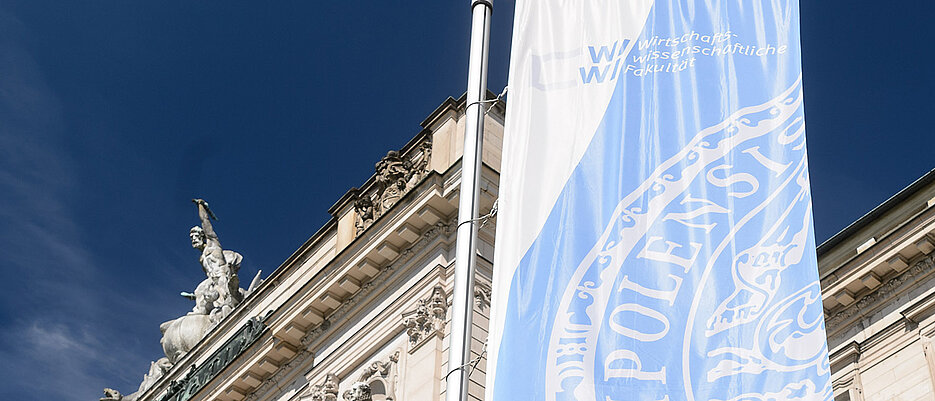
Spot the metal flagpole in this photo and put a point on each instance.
(459, 352)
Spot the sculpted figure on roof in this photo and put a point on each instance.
(215, 297)
(221, 267)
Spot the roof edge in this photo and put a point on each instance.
(876, 212)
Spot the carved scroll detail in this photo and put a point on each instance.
(377, 382)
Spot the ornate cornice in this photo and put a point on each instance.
(440, 228)
(895, 284)
(295, 362)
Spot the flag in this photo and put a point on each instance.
(655, 237)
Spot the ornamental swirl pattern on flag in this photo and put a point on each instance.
(655, 237)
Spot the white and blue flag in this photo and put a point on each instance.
(655, 236)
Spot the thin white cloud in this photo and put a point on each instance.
(58, 340)
(54, 360)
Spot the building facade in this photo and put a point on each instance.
(878, 291)
(360, 311)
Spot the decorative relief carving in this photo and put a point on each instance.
(363, 206)
(382, 369)
(359, 392)
(482, 294)
(396, 174)
(428, 317)
(377, 382)
(393, 174)
(918, 270)
(327, 391)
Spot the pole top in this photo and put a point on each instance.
(488, 3)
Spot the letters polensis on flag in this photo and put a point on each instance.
(655, 236)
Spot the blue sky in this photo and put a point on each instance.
(115, 113)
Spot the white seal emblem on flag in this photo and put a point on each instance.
(731, 208)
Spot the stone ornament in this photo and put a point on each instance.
(395, 175)
(157, 370)
(365, 213)
(359, 392)
(378, 368)
(377, 382)
(428, 317)
(482, 294)
(111, 395)
(327, 391)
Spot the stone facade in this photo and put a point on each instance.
(878, 288)
(360, 311)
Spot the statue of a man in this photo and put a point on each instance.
(220, 293)
(215, 297)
